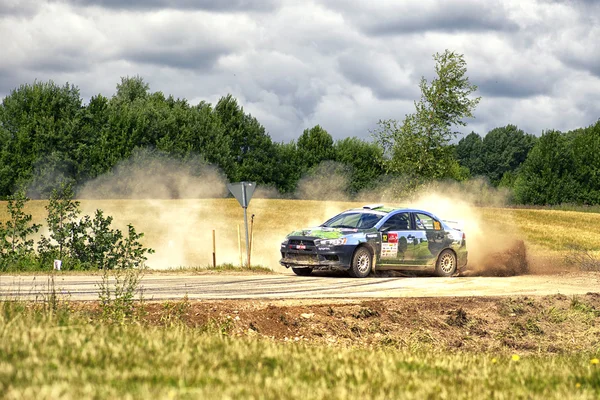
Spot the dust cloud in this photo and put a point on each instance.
(176, 225)
(496, 247)
(180, 228)
(328, 181)
(153, 175)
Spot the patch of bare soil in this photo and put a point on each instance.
(554, 324)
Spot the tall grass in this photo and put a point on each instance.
(44, 355)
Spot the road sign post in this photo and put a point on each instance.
(243, 192)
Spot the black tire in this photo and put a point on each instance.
(362, 263)
(302, 271)
(446, 263)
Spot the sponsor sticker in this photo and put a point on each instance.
(390, 237)
(301, 247)
(389, 250)
(436, 225)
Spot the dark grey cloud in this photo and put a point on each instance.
(199, 60)
(381, 74)
(207, 5)
(448, 16)
(451, 20)
(513, 87)
(21, 9)
(589, 62)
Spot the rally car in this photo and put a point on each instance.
(375, 238)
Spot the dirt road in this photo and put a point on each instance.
(161, 286)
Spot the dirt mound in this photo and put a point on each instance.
(508, 262)
(525, 324)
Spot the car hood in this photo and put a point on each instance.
(324, 233)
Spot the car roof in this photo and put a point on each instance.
(380, 208)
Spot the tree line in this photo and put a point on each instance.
(48, 137)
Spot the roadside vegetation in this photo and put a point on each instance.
(70, 241)
(223, 268)
(520, 348)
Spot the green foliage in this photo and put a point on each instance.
(93, 242)
(80, 244)
(16, 243)
(62, 212)
(469, 153)
(418, 148)
(49, 138)
(365, 160)
(39, 132)
(562, 168)
(585, 145)
(289, 167)
(116, 293)
(315, 145)
(498, 156)
(252, 151)
(547, 175)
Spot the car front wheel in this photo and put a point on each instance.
(361, 263)
(446, 263)
(302, 271)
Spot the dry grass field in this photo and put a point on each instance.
(181, 230)
(454, 348)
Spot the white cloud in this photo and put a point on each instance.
(343, 64)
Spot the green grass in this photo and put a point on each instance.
(51, 355)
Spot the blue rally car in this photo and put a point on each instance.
(375, 238)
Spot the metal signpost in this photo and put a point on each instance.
(243, 192)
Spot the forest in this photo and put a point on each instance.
(49, 135)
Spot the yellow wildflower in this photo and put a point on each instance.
(515, 357)
(578, 385)
(494, 360)
(594, 361)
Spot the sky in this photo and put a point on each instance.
(342, 64)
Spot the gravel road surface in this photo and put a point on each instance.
(161, 286)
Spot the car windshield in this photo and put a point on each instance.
(353, 220)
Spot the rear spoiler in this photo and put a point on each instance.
(459, 225)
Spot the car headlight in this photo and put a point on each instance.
(284, 243)
(331, 242)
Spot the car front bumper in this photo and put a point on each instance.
(318, 258)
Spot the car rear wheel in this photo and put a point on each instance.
(362, 263)
(446, 263)
(302, 271)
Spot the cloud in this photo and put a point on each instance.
(380, 72)
(207, 5)
(343, 64)
(391, 18)
(18, 8)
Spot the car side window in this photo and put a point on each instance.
(397, 222)
(425, 222)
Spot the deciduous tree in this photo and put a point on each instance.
(418, 147)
